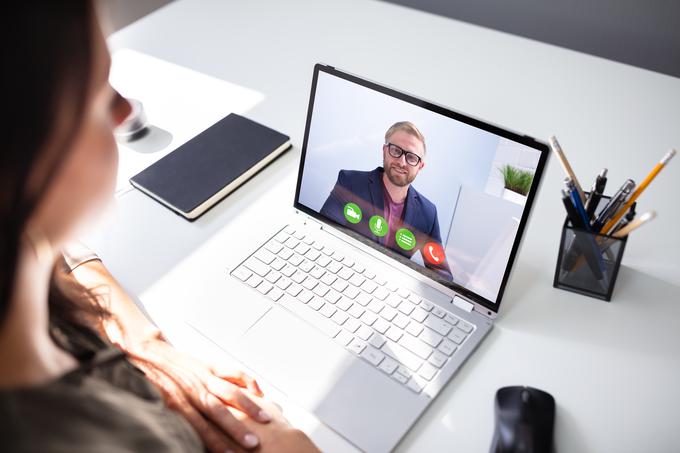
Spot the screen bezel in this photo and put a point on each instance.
(457, 116)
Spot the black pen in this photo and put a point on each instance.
(614, 204)
(630, 215)
(581, 244)
(596, 193)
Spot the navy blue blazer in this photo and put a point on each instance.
(365, 188)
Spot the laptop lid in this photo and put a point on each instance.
(436, 190)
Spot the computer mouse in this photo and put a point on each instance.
(525, 419)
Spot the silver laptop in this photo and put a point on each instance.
(407, 219)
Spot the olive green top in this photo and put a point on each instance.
(106, 404)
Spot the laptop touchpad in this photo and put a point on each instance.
(293, 356)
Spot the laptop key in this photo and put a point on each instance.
(400, 378)
(388, 313)
(465, 327)
(344, 337)
(402, 355)
(447, 347)
(437, 359)
(332, 296)
(274, 246)
(369, 286)
(309, 283)
(340, 285)
(427, 371)
(283, 283)
(321, 290)
(288, 270)
(419, 314)
(357, 346)
(272, 277)
(364, 332)
(317, 272)
(285, 253)
(344, 303)
(406, 307)
(376, 340)
(394, 333)
(306, 265)
(275, 294)
(368, 318)
(451, 319)
(312, 254)
(257, 266)
(351, 292)
(438, 325)
(380, 293)
(426, 305)
(388, 365)
(328, 278)
(298, 276)
(265, 256)
(381, 325)
(295, 259)
(278, 264)
(372, 355)
(438, 312)
(305, 296)
(415, 346)
(430, 337)
(457, 335)
(294, 289)
(327, 310)
(416, 383)
(339, 317)
(264, 287)
(414, 329)
(253, 281)
(316, 303)
(401, 321)
(242, 273)
(363, 299)
(352, 325)
(323, 260)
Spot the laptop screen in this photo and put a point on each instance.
(443, 193)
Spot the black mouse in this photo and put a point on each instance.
(525, 418)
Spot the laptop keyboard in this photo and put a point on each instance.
(397, 331)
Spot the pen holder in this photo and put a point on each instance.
(588, 263)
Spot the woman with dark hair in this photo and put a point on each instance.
(81, 368)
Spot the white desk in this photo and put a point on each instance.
(612, 367)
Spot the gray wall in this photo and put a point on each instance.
(643, 33)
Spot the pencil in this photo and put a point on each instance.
(644, 218)
(643, 185)
(557, 149)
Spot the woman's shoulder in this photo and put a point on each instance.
(79, 412)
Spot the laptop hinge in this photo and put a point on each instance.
(310, 222)
(462, 304)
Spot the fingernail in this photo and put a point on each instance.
(264, 416)
(250, 440)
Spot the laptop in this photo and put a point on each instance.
(406, 222)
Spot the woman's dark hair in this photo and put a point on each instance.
(48, 59)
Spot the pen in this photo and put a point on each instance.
(615, 202)
(650, 177)
(630, 215)
(557, 149)
(596, 193)
(644, 218)
(580, 210)
(578, 246)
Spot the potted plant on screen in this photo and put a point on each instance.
(517, 183)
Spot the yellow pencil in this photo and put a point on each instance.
(557, 149)
(644, 218)
(650, 177)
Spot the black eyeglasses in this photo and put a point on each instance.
(395, 151)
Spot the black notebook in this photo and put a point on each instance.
(197, 175)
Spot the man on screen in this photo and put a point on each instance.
(383, 205)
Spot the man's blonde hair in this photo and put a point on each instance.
(407, 127)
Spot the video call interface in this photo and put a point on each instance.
(444, 195)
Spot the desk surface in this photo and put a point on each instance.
(612, 367)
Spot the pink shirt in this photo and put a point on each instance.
(393, 215)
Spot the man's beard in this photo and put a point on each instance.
(398, 179)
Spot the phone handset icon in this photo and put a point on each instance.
(433, 253)
(430, 250)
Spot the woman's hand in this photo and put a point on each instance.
(202, 395)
